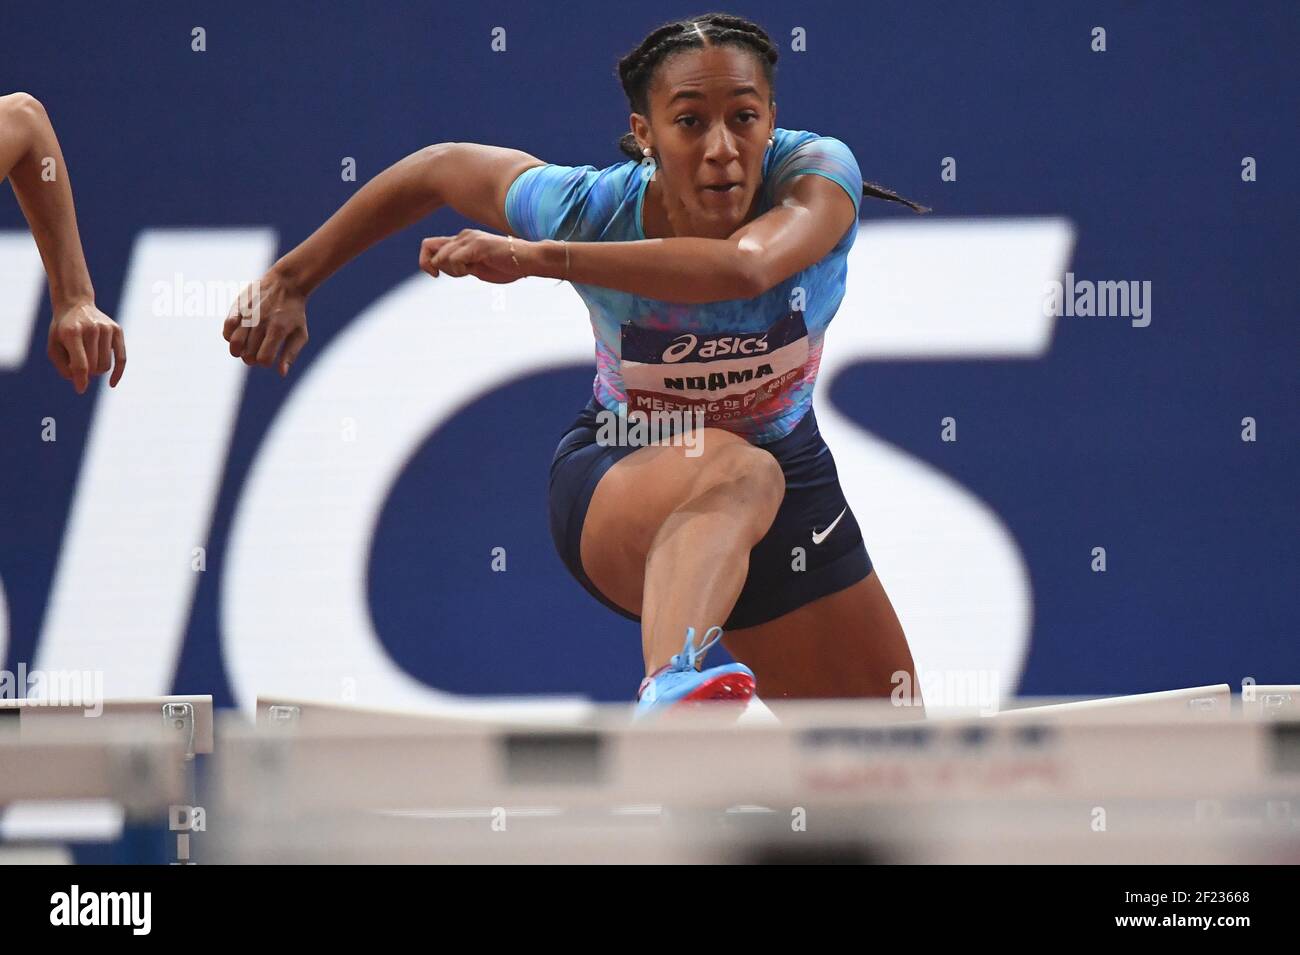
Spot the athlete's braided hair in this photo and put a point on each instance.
(636, 70)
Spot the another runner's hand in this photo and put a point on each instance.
(84, 342)
(268, 315)
(483, 255)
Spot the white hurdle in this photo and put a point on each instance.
(77, 772)
(319, 778)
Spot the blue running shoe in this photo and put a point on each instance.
(680, 682)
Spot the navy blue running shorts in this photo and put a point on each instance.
(813, 548)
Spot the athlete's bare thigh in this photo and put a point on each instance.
(847, 644)
(638, 493)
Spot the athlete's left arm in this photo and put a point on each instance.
(810, 214)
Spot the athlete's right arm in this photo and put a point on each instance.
(469, 177)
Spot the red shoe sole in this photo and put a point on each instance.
(730, 687)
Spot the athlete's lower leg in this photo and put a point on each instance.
(698, 560)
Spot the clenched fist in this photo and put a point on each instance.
(85, 342)
(484, 255)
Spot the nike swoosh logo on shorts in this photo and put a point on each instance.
(818, 538)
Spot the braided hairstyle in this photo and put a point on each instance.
(636, 71)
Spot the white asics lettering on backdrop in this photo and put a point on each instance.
(123, 588)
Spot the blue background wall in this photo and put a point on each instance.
(1122, 435)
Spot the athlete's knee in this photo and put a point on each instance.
(750, 476)
(21, 108)
(770, 478)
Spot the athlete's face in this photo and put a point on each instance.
(710, 120)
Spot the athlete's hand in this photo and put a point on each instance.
(269, 314)
(483, 255)
(84, 342)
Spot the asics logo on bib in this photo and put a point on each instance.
(732, 376)
(715, 347)
(680, 348)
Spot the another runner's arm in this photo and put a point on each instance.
(31, 158)
(469, 177)
(810, 216)
(82, 341)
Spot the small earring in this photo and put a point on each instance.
(771, 141)
(648, 164)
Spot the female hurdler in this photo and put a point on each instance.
(711, 262)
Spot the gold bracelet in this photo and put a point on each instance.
(511, 243)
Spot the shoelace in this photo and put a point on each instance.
(690, 653)
(684, 660)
